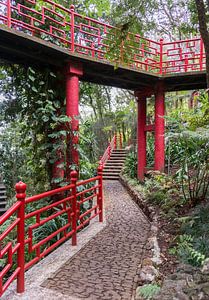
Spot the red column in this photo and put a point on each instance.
(141, 135)
(72, 107)
(160, 127)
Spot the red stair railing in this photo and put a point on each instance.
(69, 205)
(88, 37)
(116, 143)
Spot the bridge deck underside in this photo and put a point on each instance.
(17, 47)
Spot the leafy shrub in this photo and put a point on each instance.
(148, 291)
(186, 252)
(130, 167)
(193, 245)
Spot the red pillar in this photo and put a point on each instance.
(141, 135)
(160, 127)
(72, 107)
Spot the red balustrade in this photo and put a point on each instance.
(23, 224)
(64, 27)
(116, 143)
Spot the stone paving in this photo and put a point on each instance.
(106, 268)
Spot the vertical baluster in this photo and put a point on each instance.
(115, 141)
(186, 63)
(20, 195)
(109, 151)
(72, 27)
(9, 23)
(100, 193)
(121, 141)
(161, 56)
(74, 178)
(201, 54)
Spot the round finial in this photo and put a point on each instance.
(74, 175)
(72, 7)
(161, 40)
(20, 187)
(100, 168)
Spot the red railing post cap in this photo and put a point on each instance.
(100, 168)
(74, 175)
(20, 187)
(72, 7)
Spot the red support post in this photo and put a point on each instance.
(74, 178)
(160, 127)
(21, 195)
(72, 109)
(100, 194)
(141, 135)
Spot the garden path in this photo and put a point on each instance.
(105, 263)
(106, 268)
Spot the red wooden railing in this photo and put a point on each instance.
(18, 236)
(116, 143)
(92, 38)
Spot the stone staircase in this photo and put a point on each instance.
(114, 165)
(3, 199)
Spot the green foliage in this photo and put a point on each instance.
(193, 244)
(130, 167)
(148, 291)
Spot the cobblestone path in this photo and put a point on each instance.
(106, 268)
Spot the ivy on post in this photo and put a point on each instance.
(21, 195)
(74, 178)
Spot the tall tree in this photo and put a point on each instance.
(203, 18)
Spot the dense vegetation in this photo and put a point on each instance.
(33, 126)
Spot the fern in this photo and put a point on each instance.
(148, 291)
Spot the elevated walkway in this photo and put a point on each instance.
(53, 36)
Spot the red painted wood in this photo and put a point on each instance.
(141, 135)
(21, 195)
(150, 127)
(160, 128)
(100, 194)
(93, 38)
(72, 108)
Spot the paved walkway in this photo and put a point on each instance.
(106, 268)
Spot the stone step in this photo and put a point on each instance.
(2, 210)
(111, 170)
(110, 178)
(112, 166)
(3, 202)
(111, 173)
(123, 157)
(2, 197)
(116, 160)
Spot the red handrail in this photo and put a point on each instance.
(92, 38)
(69, 204)
(116, 143)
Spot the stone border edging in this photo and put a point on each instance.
(148, 210)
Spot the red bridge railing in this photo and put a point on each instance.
(23, 224)
(116, 143)
(93, 38)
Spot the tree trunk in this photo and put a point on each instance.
(201, 11)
